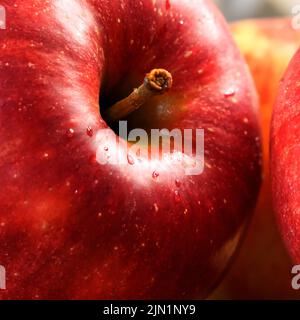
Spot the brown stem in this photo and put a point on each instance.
(157, 82)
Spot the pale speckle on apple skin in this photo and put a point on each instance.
(176, 41)
(187, 54)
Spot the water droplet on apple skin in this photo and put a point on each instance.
(229, 93)
(105, 149)
(89, 132)
(178, 183)
(70, 132)
(155, 175)
(130, 159)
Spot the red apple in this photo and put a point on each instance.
(275, 44)
(73, 228)
(285, 158)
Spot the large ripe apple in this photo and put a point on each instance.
(275, 44)
(73, 228)
(285, 146)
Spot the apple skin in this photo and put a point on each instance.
(285, 158)
(275, 44)
(74, 229)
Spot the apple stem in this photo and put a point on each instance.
(156, 82)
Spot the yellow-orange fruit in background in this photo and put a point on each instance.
(262, 268)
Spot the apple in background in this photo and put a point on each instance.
(285, 131)
(75, 229)
(262, 269)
